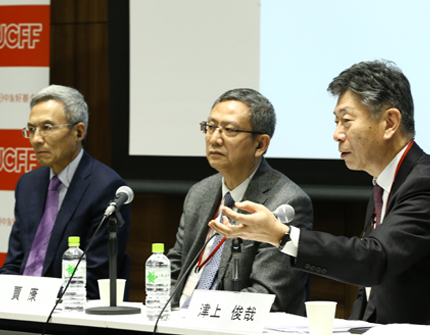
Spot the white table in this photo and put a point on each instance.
(81, 323)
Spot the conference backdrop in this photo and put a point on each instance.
(184, 54)
(24, 70)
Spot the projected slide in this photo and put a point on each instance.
(184, 54)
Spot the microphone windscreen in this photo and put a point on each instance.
(285, 213)
(128, 191)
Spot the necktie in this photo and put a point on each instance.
(377, 198)
(206, 281)
(37, 255)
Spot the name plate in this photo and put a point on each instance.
(234, 311)
(28, 293)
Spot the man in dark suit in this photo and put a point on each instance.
(56, 128)
(238, 133)
(391, 260)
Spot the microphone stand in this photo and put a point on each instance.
(236, 249)
(115, 221)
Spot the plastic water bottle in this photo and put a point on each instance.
(157, 276)
(76, 295)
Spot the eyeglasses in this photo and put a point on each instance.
(44, 130)
(229, 131)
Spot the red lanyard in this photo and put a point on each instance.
(403, 157)
(395, 174)
(200, 263)
(398, 168)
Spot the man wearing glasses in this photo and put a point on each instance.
(238, 133)
(65, 197)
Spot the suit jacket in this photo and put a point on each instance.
(92, 187)
(394, 258)
(262, 266)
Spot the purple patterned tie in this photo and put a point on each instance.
(377, 197)
(206, 281)
(37, 255)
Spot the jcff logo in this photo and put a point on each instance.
(20, 35)
(17, 160)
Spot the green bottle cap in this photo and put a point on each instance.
(74, 240)
(157, 247)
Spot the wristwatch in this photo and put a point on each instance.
(286, 238)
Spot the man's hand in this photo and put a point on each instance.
(260, 225)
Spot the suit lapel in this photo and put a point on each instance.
(408, 163)
(257, 190)
(370, 307)
(74, 195)
(368, 222)
(260, 185)
(207, 208)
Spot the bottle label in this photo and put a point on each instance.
(158, 276)
(69, 267)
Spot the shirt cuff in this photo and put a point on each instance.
(291, 247)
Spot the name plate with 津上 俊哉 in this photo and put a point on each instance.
(225, 310)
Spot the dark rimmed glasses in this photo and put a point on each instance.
(229, 131)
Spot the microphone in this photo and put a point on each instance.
(284, 213)
(124, 195)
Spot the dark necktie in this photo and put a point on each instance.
(211, 269)
(37, 255)
(377, 198)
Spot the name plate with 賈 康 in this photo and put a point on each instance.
(28, 294)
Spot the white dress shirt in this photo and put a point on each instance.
(66, 177)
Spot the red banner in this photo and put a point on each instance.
(24, 35)
(16, 157)
(2, 258)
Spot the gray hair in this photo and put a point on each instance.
(262, 115)
(75, 107)
(380, 84)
